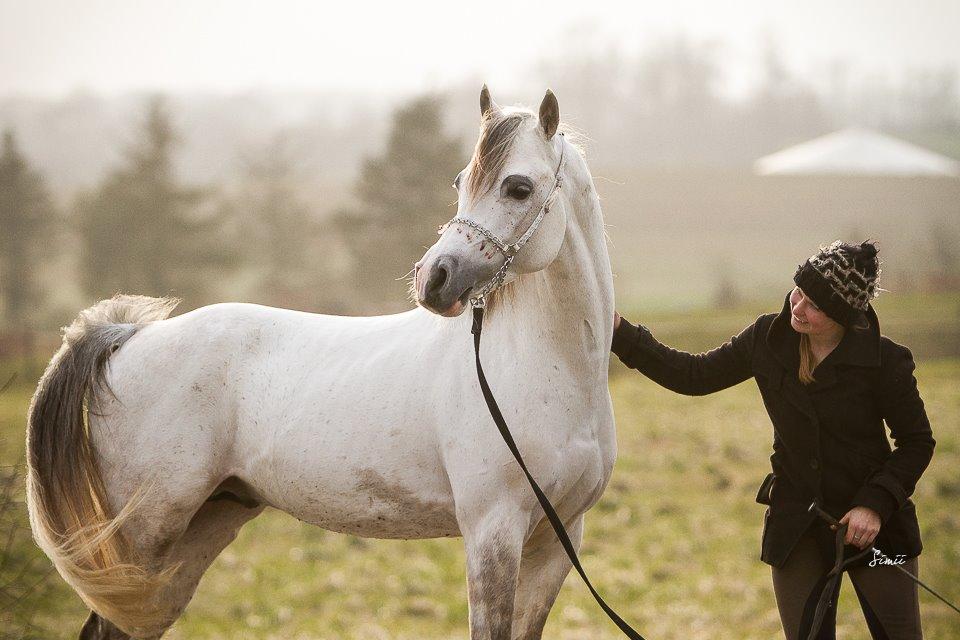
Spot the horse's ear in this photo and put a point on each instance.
(549, 114)
(487, 105)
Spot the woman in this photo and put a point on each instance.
(828, 380)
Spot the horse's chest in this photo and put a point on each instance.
(582, 462)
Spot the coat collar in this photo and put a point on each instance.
(859, 347)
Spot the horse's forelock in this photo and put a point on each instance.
(497, 133)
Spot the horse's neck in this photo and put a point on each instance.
(572, 299)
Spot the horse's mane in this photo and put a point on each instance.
(498, 130)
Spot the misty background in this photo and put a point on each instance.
(301, 156)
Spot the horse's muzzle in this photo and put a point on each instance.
(443, 287)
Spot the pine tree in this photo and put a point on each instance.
(282, 239)
(26, 215)
(142, 231)
(404, 194)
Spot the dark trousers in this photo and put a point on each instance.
(889, 599)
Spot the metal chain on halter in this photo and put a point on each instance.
(509, 251)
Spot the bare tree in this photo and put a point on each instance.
(144, 231)
(404, 194)
(26, 215)
(282, 239)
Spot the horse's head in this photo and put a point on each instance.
(507, 200)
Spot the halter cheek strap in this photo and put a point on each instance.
(509, 251)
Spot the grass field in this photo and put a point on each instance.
(673, 545)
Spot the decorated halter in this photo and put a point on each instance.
(509, 251)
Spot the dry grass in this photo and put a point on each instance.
(673, 545)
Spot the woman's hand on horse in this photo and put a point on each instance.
(863, 525)
(616, 320)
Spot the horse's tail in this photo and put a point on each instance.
(70, 514)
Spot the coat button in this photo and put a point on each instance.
(814, 463)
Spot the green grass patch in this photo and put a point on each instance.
(673, 545)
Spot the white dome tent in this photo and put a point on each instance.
(857, 151)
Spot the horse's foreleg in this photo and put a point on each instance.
(493, 545)
(543, 568)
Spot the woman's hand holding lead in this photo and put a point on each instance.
(863, 525)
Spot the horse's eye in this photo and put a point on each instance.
(516, 187)
(520, 192)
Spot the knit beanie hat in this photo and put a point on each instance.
(841, 279)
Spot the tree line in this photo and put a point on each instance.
(667, 104)
(258, 225)
(144, 230)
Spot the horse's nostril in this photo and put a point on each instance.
(437, 279)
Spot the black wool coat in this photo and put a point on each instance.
(829, 442)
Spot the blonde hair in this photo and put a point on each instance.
(807, 357)
(805, 373)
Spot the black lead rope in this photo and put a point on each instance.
(544, 501)
(824, 589)
(821, 596)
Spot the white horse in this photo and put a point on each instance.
(142, 471)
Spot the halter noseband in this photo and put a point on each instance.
(509, 251)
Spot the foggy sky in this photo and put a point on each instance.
(54, 47)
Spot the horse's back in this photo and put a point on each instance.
(184, 382)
